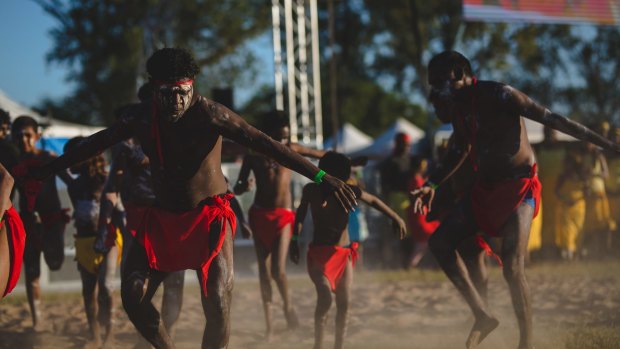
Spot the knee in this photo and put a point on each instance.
(55, 262)
(278, 275)
(132, 291)
(513, 269)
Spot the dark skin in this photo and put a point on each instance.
(273, 183)
(502, 152)
(191, 144)
(6, 185)
(51, 238)
(330, 228)
(96, 288)
(120, 168)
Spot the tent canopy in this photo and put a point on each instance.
(350, 139)
(383, 145)
(55, 132)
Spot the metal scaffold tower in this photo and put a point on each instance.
(297, 71)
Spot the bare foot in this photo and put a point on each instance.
(481, 329)
(292, 320)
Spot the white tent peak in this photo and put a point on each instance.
(383, 145)
(350, 139)
(52, 128)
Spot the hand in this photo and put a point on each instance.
(100, 245)
(420, 198)
(399, 228)
(343, 193)
(293, 252)
(246, 232)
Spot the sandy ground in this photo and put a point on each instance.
(575, 306)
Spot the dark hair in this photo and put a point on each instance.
(22, 122)
(145, 92)
(336, 164)
(448, 61)
(93, 167)
(273, 121)
(171, 64)
(5, 118)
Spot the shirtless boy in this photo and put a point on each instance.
(190, 224)
(40, 210)
(271, 217)
(331, 255)
(487, 117)
(12, 237)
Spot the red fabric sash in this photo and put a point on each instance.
(421, 229)
(266, 223)
(332, 260)
(494, 203)
(32, 187)
(17, 242)
(181, 240)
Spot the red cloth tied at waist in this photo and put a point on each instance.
(494, 203)
(17, 242)
(331, 260)
(181, 240)
(267, 223)
(32, 187)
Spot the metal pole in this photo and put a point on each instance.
(333, 82)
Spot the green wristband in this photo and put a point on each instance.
(432, 185)
(318, 178)
(295, 238)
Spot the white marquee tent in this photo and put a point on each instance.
(383, 145)
(350, 139)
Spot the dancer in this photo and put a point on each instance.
(489, 130)
(96, 270)
(12, 237)
(190, 225)
(331, 256)
(271, 217)
(40, 210)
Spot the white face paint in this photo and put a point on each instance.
(174, 99)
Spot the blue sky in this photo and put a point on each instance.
(27, 78)
(24, 74)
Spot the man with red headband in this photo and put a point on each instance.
(191, 224)
(489, 131)
(271, 217)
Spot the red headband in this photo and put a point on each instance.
(173, 83)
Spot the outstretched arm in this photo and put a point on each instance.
(376, 203)
(526, 107)
(88, 148)
(6, 185)
(309, 152)
(234, 127)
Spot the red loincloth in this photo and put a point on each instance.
(332, 260)
(266, 223)
(17, 242)
(181, 240)
(421, 229)
(494, 203)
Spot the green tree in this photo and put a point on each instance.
(105, 44)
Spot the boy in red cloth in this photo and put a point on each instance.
(271, 217)
(12, 237)
(489, 129)
(40, 210)
(190, 225)
(331, 255)
(421, 229)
